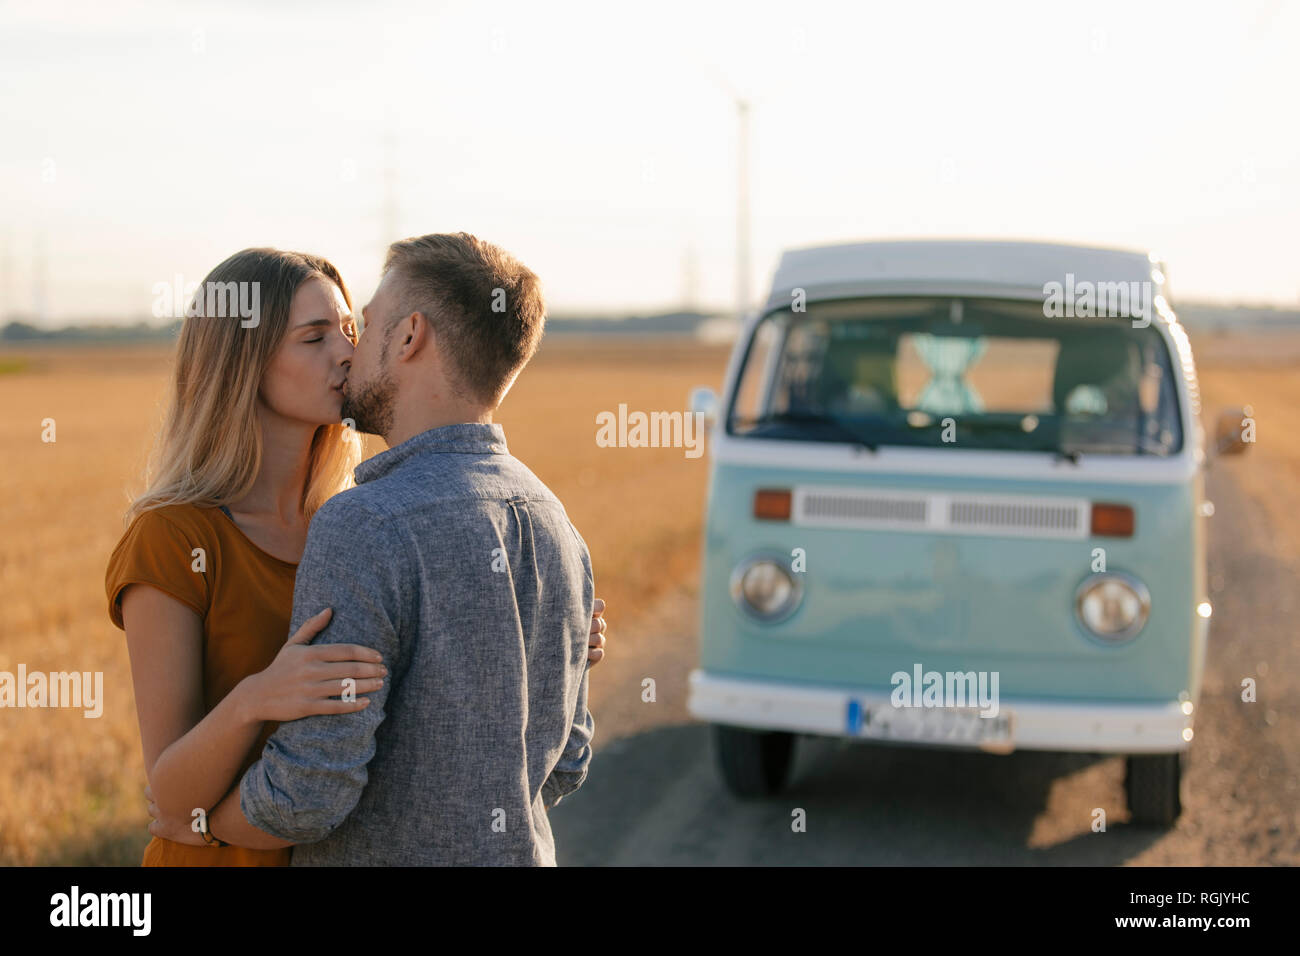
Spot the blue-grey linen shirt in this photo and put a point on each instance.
(454, 561)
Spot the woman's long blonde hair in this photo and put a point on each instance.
(209, 450)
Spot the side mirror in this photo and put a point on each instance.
(1234, 430)
(705, 401)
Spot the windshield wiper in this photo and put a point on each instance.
(1015, 427)
(808, 418)
(1117, 443)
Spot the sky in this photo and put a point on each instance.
(142, 141)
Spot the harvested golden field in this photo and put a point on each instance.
(1263, 372)
(73, 790)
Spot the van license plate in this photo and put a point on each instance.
(950, 725)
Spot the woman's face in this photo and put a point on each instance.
(304, 380)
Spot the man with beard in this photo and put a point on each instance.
(454, 561)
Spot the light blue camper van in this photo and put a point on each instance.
(955, 499)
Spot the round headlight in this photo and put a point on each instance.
(1114, 607)
(765, 589)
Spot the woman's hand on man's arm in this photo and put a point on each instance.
(596, 644)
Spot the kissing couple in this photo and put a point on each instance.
(386, 671)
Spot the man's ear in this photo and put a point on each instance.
(414, 335)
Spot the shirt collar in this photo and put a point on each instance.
(468, 438)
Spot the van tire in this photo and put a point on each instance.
(1153, 785)
(754, 763)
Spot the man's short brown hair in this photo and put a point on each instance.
(485, 305)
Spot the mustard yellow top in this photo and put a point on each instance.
(245, 597)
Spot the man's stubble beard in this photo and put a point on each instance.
(371, 408)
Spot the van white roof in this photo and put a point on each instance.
(954, 267)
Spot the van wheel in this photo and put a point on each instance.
(1153, 784)
(754, 763)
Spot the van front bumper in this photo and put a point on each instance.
(1099, 726)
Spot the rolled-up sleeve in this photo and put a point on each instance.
(313, 770)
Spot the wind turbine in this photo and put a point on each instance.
(744, 105)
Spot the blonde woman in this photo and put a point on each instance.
(202, 581)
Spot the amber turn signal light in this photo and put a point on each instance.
(1112, 521)
(772, 504)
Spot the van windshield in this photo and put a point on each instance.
(971, 373)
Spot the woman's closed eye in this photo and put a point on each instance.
(349, 332)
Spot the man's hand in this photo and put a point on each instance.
(596, 645)
(176, 829)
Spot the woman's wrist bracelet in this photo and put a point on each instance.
(211, 838)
